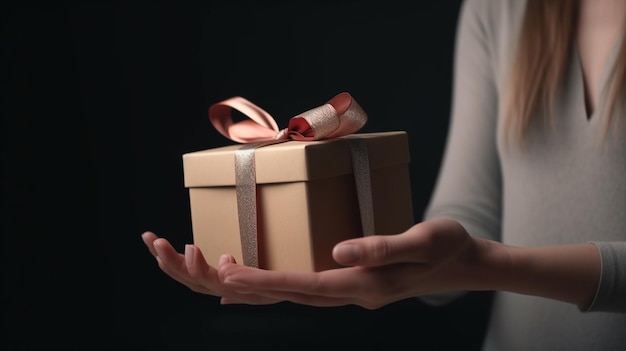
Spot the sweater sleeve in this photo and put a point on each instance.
(611, 293)
(468, 187)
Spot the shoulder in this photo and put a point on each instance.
(493, 27)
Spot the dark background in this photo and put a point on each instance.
(101, 98)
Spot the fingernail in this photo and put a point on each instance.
(224, 259)
(157, 247)
(189, 253)
(347, 253)
(143, 238)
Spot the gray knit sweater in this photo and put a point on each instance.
(562, 186)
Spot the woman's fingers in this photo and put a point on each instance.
(192, 270)
(173, 264)
(196, 266)
(170, 261)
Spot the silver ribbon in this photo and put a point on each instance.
(245, 187)
(246, 191)
(363, 181)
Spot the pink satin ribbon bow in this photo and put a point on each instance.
(340, 116)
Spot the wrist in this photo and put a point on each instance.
(569, 273)
(493, 265)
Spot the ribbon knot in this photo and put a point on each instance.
(339, 116)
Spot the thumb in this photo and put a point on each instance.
(378, 250)
(424, 242)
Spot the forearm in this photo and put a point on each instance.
(569, 273)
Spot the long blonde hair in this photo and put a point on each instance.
(545, 44)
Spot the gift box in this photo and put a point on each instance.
(307, 197)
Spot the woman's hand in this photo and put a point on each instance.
(430, 257)
(192, 270)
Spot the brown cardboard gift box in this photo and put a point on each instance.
(306, 198)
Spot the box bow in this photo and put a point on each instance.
(340, 116)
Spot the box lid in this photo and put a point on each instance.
(293, 161)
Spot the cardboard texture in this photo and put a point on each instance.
(306, 198)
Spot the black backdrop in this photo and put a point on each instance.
(101, 98)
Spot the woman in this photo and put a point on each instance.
(531, 198)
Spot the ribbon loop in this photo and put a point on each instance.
(260, 127)
(316, 123)
(351, 115)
